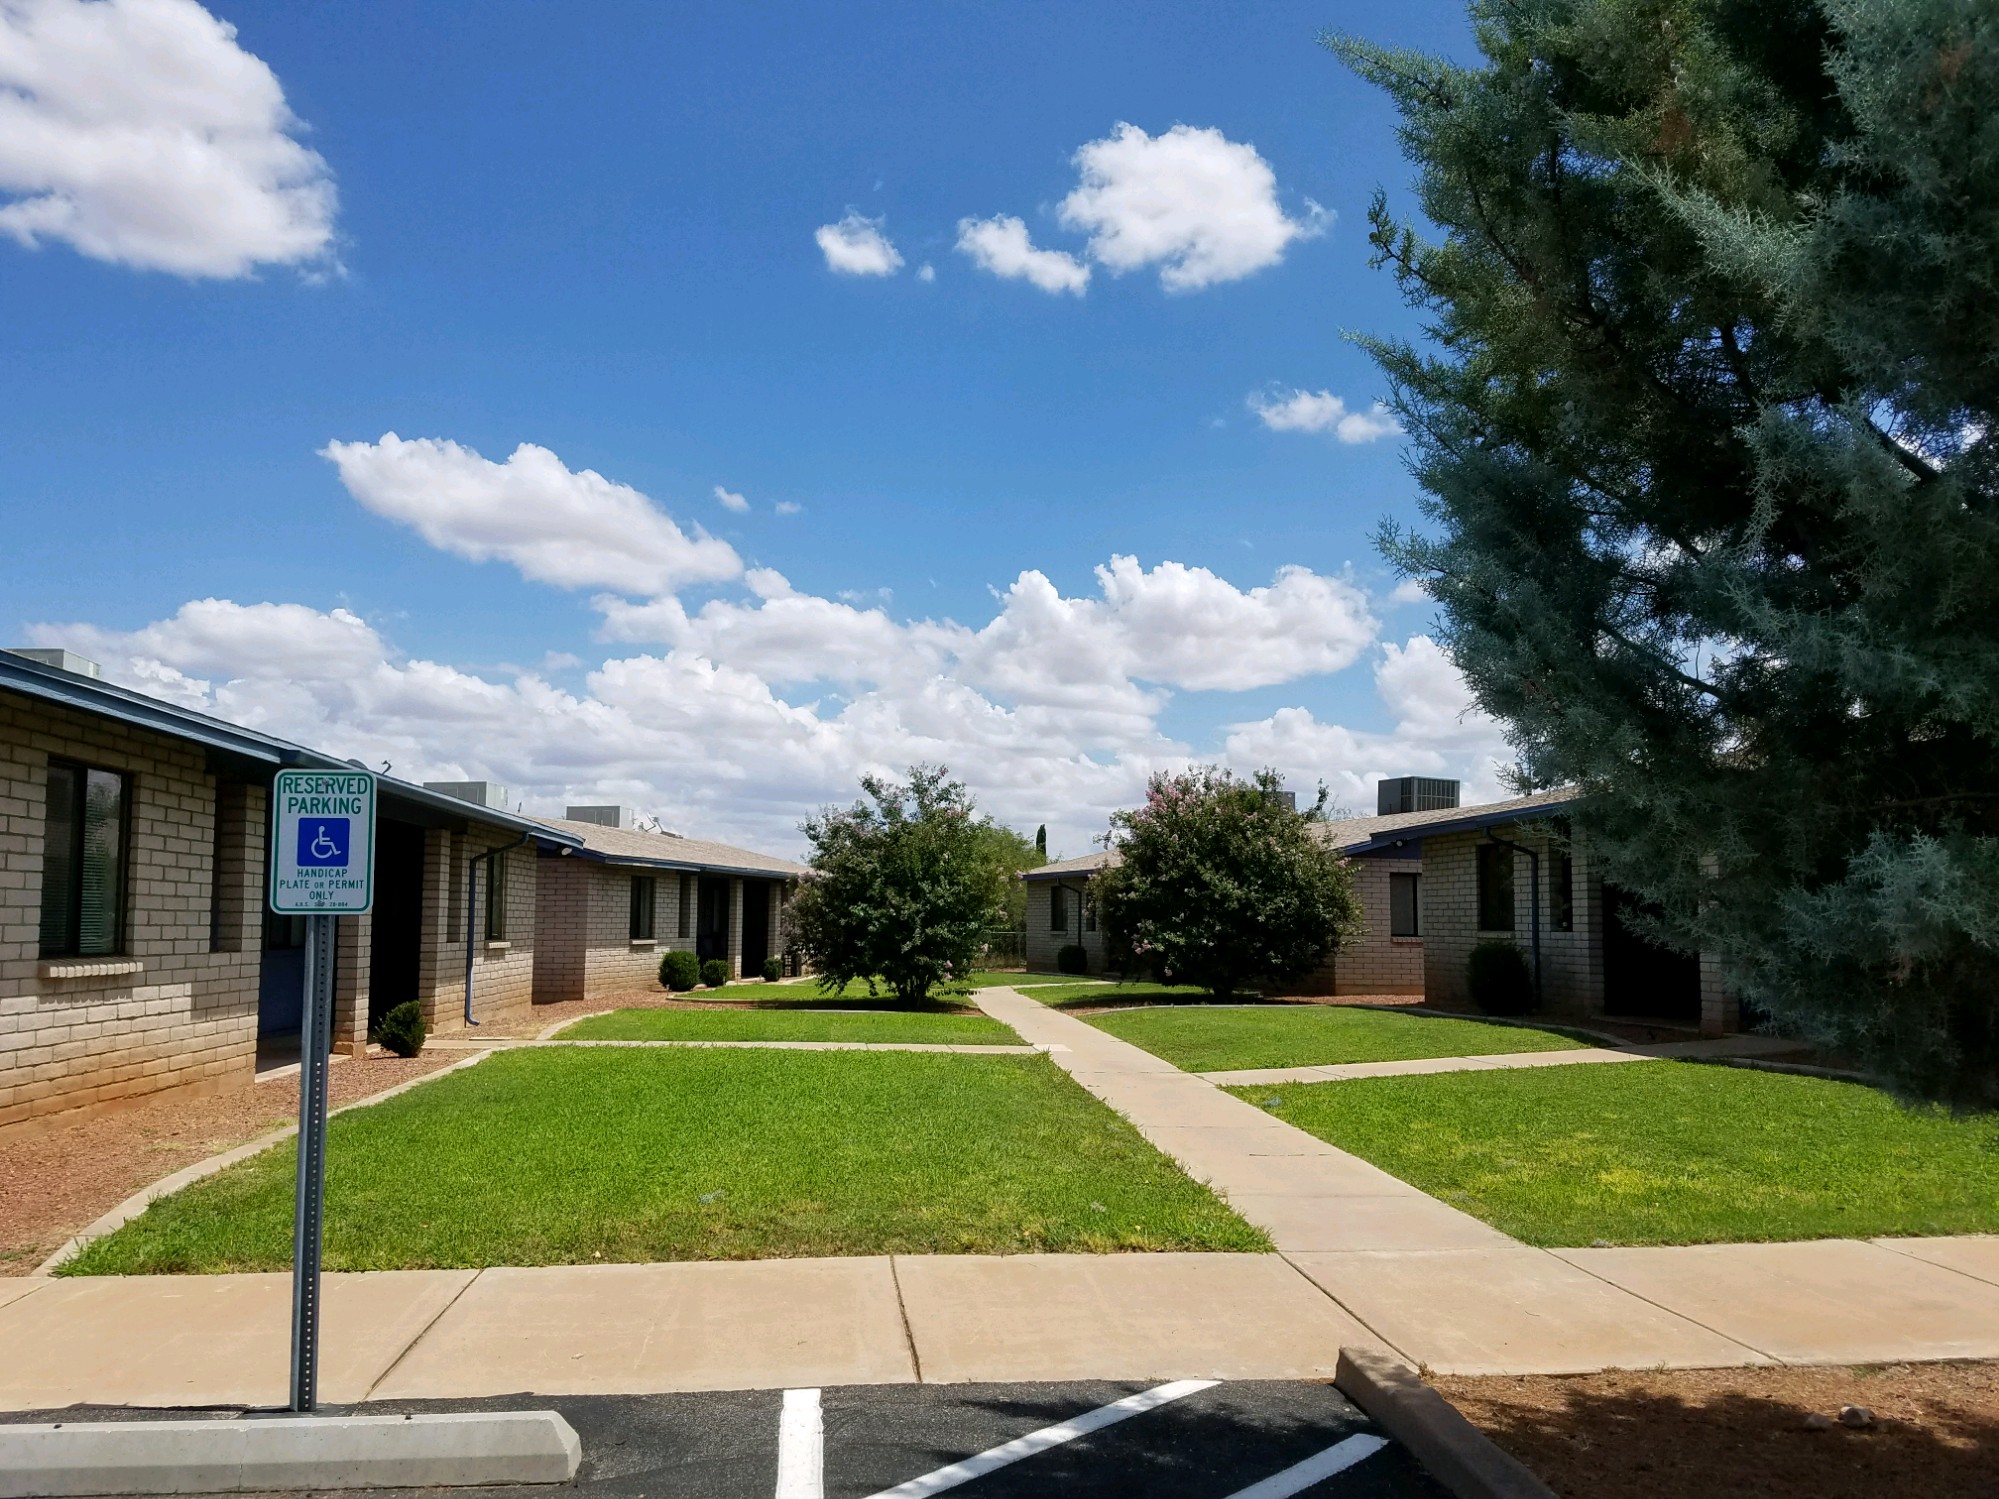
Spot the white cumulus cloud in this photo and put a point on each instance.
(1438, 730)
(856, 246)
(1322, 411)
(138, 132)
(788, 507)
(1201, 207)
(572, 528)
(730, 500)
(1001, 245)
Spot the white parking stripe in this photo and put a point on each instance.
(1049, 1436)
(801, 1447)
(1301, 1476)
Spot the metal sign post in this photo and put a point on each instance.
(322, 866)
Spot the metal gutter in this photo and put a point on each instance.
(1472, 823)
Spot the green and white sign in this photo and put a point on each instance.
(322, 842)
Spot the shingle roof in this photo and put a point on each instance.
(1358, 834)
(669, 851)
(1353, 835)
(1085, 864)
(247, 749)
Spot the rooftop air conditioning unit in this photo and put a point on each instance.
(1414, 794)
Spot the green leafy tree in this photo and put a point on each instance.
(1705, 424)
(1218, 883)
(904, 884)
(1011, 854)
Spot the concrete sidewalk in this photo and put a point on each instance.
(639, 1329)
(1454, 1293)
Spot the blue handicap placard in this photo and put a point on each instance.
(323, 842)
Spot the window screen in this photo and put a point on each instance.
(1058, 909)
(83, 862)
(1405, 916)
(642, 903)
(1495, 887)
(496, 898)
(686, 927)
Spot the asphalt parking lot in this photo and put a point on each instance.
(1187, 1440)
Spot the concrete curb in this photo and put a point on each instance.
(140, 1200)
(1456, 1453)
(286, 1452)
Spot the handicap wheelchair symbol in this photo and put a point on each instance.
(323, 842)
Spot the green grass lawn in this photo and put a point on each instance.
(1062, 996)
(856, 996)
(1000, 978)
(1663, 1152)
(1209, 1038)
(571, 1155)
(793, 1025)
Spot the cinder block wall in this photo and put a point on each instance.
(1043, 944)
(1571, 961)
(170, 1011)
(1373, 962)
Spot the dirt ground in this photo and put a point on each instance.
(55, 1183)
(1697, 1434)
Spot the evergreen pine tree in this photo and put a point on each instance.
(1705, 430)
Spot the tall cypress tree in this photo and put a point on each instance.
(1704, 426)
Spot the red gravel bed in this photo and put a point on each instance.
(55, 1183)
(1697, 1434)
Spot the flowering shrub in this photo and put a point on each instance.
(904, 886)
(1219, 882)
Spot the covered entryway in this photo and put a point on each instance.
(756, 926)
(711, 929)
(1642, 979)
(397, 953)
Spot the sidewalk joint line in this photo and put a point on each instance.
(902, 1308)
(1670, 1311)
(421, 1333)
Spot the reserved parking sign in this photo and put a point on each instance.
(322, 842)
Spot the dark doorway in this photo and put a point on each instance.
(1641, 978)
(397, 936)
(711, 926)
(756, 926)
(281, 977)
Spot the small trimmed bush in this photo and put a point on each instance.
(402, 1030)
(773, 970)
(714, 973)
(1500, 981)
(1073, 958)
(679, 970)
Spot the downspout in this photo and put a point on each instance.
(1533, 902)
(472, 909)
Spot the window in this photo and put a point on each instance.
(496, 898)
(1405, 916)
(1495, 887)
(642, 902)
(83, 862)
(1561, 891)
(686, 927)
(1058, 909)
(1089, 911)
(217, 886)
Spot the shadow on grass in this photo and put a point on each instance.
(1652, 1444)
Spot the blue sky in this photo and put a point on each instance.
(591, 228)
